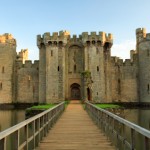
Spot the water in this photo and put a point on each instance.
(140, 117)
(9, 118)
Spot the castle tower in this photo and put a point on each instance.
(97, 58)
(52, 67)
(23, 55)
(143, 48)
(7, 66)
(65, 62)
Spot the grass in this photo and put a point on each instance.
(40, 107)
(45, 106)
(105, 106)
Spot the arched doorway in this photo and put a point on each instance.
(75, 91)
(88, 94)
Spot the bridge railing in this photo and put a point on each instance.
(115, 127)
(31, 130)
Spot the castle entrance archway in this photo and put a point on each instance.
(75, 91)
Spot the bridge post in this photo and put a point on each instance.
(146, 143)
(3, 144)
(132, 138)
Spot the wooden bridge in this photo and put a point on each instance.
(75, 131)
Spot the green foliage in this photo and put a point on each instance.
(41, 107)
(105, 106)
(86, 74)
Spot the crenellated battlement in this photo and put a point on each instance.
(63, 37)
(27, 64)
(23, 55)
(142, 35)
(55, 38)
(94, 37)
(7, 38)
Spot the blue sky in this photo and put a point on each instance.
(27, 18)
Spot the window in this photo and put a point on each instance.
(50, 43)
(148, 88)
(88, 43)
(51, 53)
(1, 86)
(119, 87)
(58, 68)
(60, 44)
(97, 69)
(3, 69)
(75, 68)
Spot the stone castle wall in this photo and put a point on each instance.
(27, 82)
(124, 80)
(7, 63)
(63, 59)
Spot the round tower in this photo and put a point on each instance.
(143, 48)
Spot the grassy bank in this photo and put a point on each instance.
(106, 106)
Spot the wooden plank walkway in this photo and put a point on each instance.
(75, 131)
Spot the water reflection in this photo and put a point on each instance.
(9, 118)
(140, 117)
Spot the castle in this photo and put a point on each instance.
(74, 68)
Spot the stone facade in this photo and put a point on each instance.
(74, 68)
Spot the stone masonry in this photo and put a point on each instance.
(71, 67)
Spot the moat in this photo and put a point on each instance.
(137, 116)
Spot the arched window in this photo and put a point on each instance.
(88, 43)
(50, 43)
(60, 43)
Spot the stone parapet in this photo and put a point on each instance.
(7, 38)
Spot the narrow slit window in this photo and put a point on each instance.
(148, 88)
(75, 68)
(58, 68)
(3, 69)
(119, 87)
(51, 53)
(1, 86)
(97, 69)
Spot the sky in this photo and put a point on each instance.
(25, 19)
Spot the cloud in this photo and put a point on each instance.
(122, 49)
